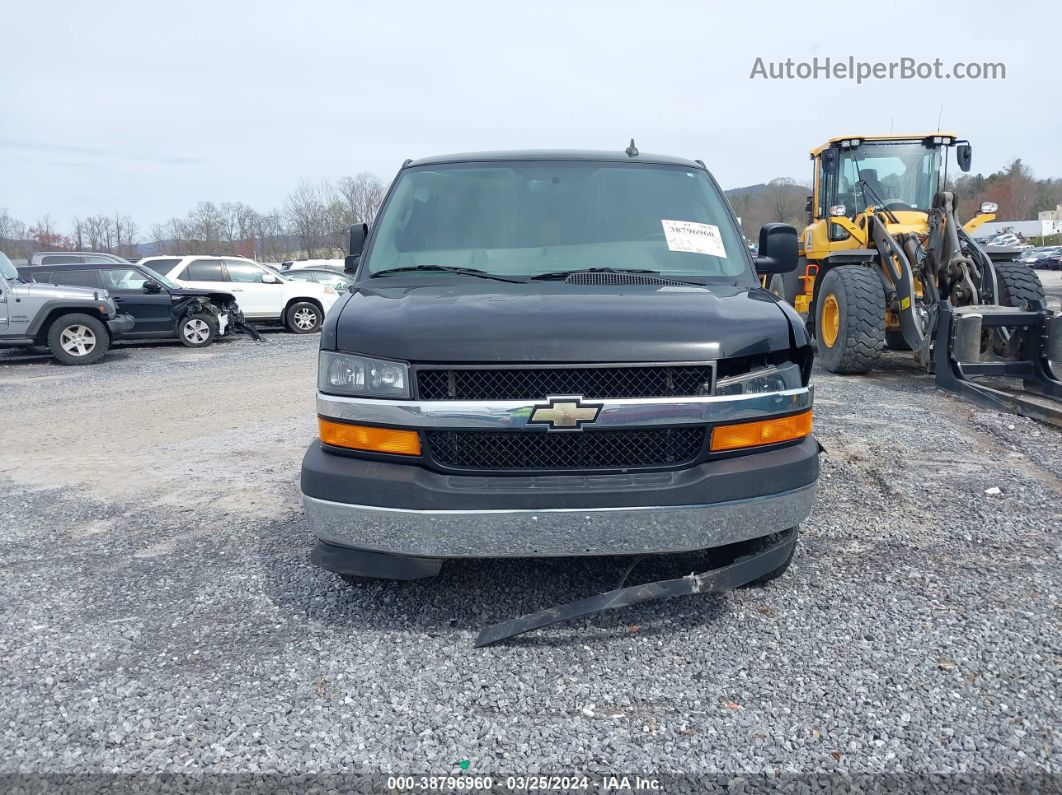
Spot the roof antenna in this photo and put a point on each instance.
(940, 116)
(632, 150)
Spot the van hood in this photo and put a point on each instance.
(483, 321)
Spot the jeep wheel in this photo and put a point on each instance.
(78, 339)
(197, 331)
(303, 318)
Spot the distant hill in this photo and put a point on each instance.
(751, 191)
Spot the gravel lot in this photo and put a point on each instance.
(158, 611)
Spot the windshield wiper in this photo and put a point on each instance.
(450, 269)
(881, 202)
(561, 275)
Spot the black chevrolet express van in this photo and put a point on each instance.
(555, 353)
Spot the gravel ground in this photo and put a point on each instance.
(158, 611)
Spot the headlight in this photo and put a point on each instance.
(346, 374)
(766, 379)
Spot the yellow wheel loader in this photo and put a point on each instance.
(884, 262)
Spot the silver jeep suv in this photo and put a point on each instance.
(76, 323)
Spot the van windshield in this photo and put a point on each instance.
(527, 218)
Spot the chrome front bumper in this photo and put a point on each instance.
(507, 415)
(426, 514)
(555, 532)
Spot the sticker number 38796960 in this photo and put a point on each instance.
(693, 238)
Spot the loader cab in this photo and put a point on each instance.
(852, 173)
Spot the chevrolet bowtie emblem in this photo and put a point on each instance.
(565, 413)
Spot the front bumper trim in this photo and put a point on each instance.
(515, 414)
(555, 532)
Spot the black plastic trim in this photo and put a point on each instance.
(357, 481)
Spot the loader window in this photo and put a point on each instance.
(903, 176)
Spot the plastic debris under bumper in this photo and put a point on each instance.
(556, 532)
(742, 571)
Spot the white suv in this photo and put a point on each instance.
(261, 292)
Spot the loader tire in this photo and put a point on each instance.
(850, 319)
(1018, 284)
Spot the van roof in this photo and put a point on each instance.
(554, 154)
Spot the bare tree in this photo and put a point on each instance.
(13, 234)
(125, 230)
(306, 210)
(784, 200)
(46, 237)
(362, 195)
(357, 201)
(271, 242)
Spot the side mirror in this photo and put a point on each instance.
(269, 278)
(779, 249)
(964, 155)
(358, 233)
(151, 287)
(987, 208)
(808, 210)
(829, 159)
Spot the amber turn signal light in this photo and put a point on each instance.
(362, 437)
(761, 432)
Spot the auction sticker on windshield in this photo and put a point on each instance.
(693, 238)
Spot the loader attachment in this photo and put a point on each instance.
(958, 359)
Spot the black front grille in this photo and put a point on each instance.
(535, 383)
(559, 450)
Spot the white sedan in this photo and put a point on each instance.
(262, 293)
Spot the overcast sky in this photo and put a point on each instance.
(145, 108)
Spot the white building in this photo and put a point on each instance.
(1026, 229)
(1052, 215)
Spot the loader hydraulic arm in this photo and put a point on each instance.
(899, 270)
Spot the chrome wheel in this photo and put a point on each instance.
(78, 340)
(196, 331)
(305, 319)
